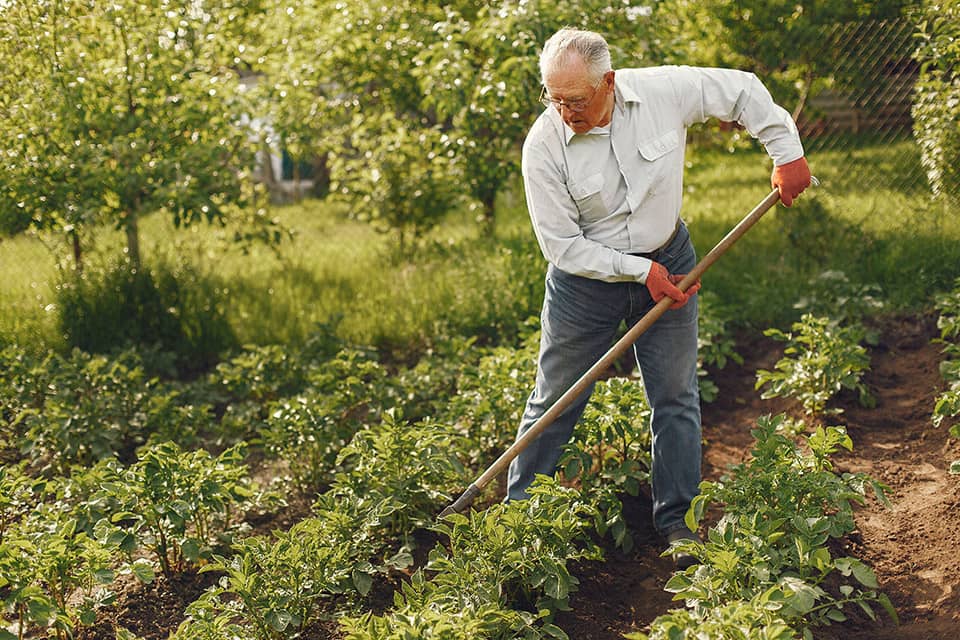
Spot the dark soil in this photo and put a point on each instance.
(914, 546)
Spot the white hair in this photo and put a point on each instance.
(588, 45)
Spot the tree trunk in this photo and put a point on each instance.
(321, 176)
(77, 250)
(133, 240)
(297, 190)
(489, 222)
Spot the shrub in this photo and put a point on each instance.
(172, 308)
(936, 106)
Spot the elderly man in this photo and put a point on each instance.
(603, 175)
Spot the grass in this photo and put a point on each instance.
(891, 235)
(342, 278)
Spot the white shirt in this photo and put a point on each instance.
(594, 198)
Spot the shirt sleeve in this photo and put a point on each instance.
(739, 96)
(555, 220)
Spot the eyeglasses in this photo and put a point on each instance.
(576, 105)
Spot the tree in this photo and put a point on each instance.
(114, 110)
(784, 42)
(480, 76)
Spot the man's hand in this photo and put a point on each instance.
(660, 283)
(791, 179)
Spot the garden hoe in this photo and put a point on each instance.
(462, 503)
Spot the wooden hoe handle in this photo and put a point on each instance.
(462, 503)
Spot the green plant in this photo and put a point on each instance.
(820, 359)
(509, 555)
(309, 430)
(21, 593)
(141, 112)
(610, 453)
(274, 588)
(490, 398)
(780, 510)
(91, 408)
(936, 106)
(54, 572)
(18, 494)
(413, 464)
(783, 483)
(81, 408)
(179, 504)
(947, 405)
(747, 556)
(167, 307)
(260, 374)
(753, 619)
(398, 175)
(488, 621)
(831, 294)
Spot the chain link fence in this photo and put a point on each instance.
(864, 116)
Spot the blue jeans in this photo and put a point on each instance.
(579, 323)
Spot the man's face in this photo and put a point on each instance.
(570, 84)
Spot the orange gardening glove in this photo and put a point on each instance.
(660, 283)
(791, 179)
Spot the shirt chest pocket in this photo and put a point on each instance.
(587, 193)
(653, 150)
(652, 167)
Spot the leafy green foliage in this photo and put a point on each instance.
(785, 43)
(610, 453)
(782, 483)
(490, 398)
(54, 576)
(412, 464)
(508, 553)
(400, 178)
(715, 347)
(780, 510)
(178, 504)
(832, 294)
(82, 408)
(735, 620)
(936, 106)
(820, 359)
(947, 406)
(171, 308)
(275, 588)
(310, 429)
(123, 109)
(54, 571)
